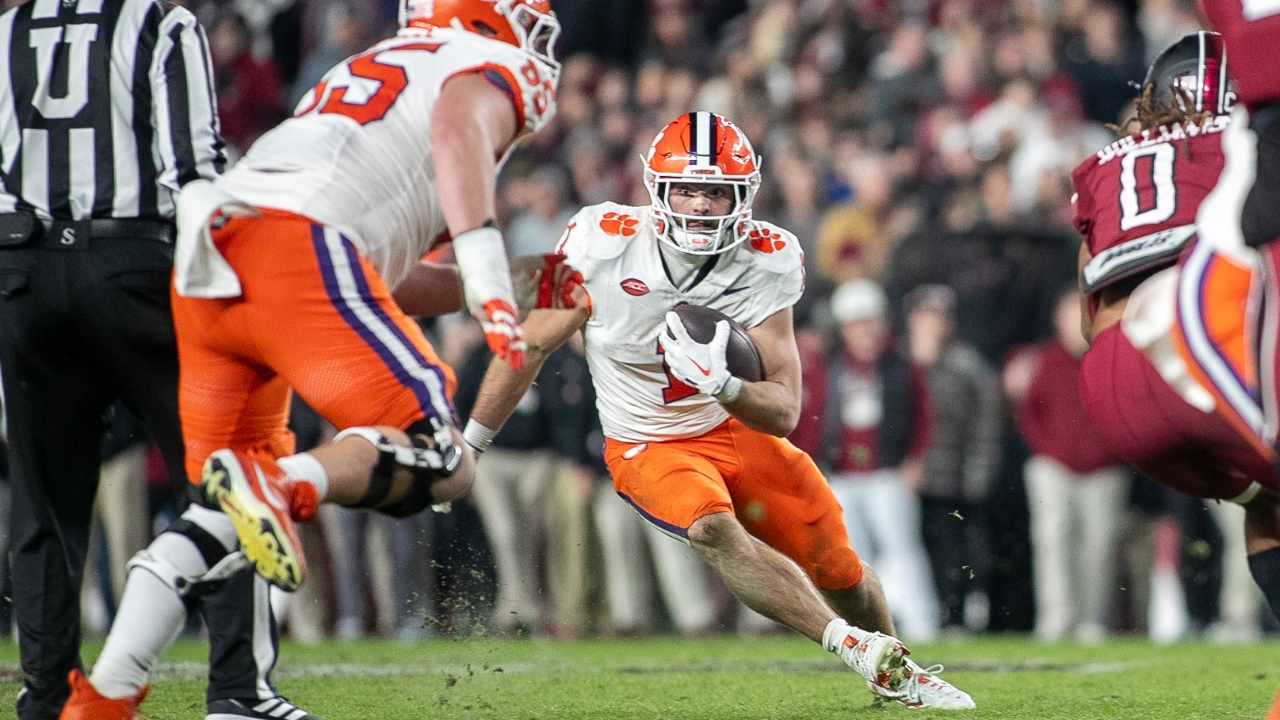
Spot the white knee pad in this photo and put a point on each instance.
(182, 583)
(194, 554)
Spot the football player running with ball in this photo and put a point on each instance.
(699, 452)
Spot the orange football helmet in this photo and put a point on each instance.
(701, 147)
(528, 24)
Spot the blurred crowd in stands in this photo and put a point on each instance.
(921, 152)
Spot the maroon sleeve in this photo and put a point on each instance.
(1251, 46)
(922, 428)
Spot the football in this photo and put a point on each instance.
(741, 355)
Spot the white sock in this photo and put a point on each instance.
(835, 633)
(150, 617)
(305, 467)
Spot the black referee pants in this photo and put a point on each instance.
(79, 329)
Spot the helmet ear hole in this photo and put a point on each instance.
(484, 28)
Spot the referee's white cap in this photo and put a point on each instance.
(858, 299)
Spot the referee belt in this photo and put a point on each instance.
(22, 229)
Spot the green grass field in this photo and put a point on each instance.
(727, 678)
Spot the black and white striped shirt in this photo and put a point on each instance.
(106, 108)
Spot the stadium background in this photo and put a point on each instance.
(923, 141)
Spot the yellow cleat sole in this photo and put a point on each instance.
(262, 540)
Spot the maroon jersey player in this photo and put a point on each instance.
(1136, 204)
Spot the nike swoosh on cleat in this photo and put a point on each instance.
(731, 291)
(269, 496)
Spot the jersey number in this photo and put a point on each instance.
(391, 80)
(1147, 193)
(675, 389)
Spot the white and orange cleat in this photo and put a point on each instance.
(880, 659)
(922, 688)
(262, 506)
(86, 704)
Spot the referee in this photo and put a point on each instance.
(106, 110)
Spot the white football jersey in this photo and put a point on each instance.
(615, 249)
(356, 156)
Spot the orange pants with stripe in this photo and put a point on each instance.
(1214, 336)
(771, 487)
(313, 316)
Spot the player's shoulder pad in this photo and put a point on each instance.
(1080, 175)
(528, 80)
(773, 248)
(602, 232)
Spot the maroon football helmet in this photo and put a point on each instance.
(1196, 64)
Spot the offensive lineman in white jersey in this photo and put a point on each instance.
(296, 270)
(698, 452)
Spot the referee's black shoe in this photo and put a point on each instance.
(276, 708)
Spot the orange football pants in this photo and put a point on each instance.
(1214, 336)
(771, 486)
(314, 316)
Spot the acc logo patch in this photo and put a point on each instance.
(765, 241)
(614, 224)
(632, 286)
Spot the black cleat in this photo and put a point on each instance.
(276, 708)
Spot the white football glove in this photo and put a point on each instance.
(699, 365)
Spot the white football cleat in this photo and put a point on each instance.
(922, 688)
(880, 659)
